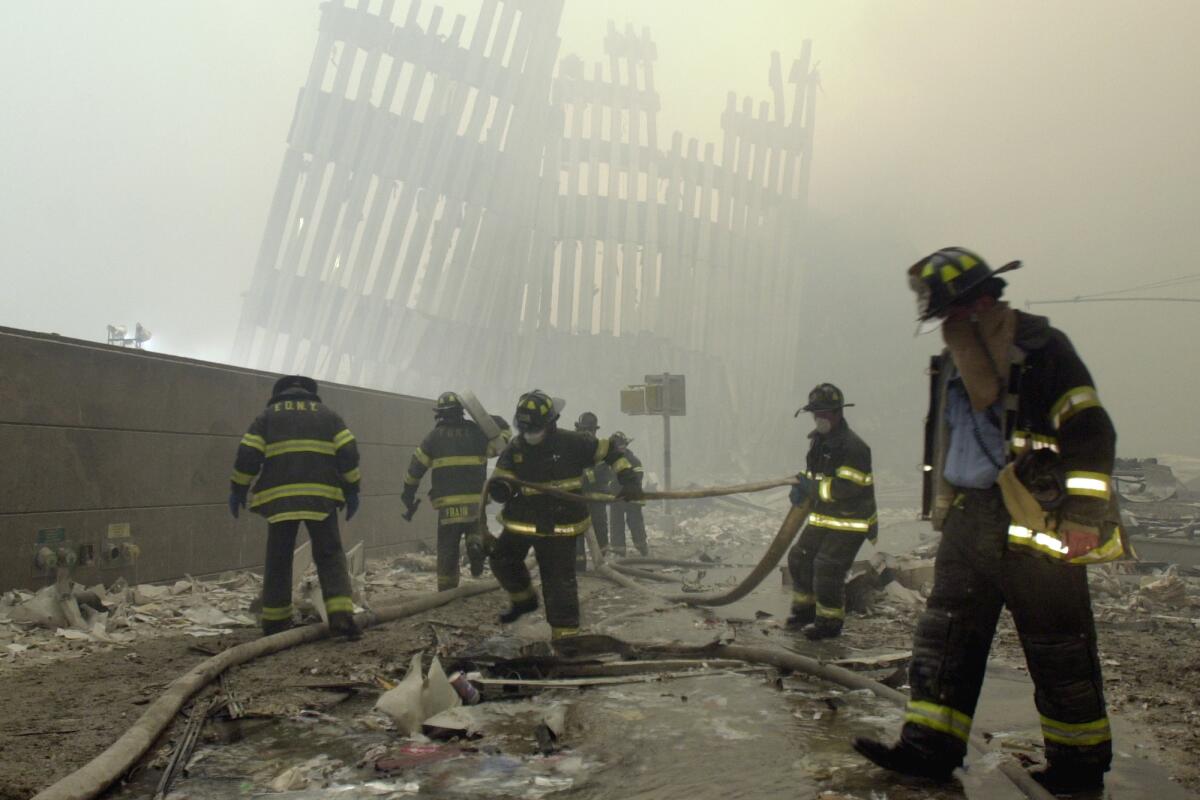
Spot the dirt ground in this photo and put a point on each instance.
(57, 716)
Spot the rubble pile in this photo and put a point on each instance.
(1126, 590)
(36, 627)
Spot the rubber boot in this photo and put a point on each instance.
(518, 610)
(800, 617)
(1058, 779)
(341, 623)
(823, 629)
(906, 759)
(274, 626)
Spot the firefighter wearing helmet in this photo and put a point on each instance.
(838, 481)
(596, 480)
(627, 511)
(1019, 453)
(455, 453)
(542, 453)
(303, 463)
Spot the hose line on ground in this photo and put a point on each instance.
(784, 659)
(105, 769)
(781, 659)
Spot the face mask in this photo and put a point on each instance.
(823, 425)
(534, 437)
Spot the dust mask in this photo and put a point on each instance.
(534, 437)
(823, 425)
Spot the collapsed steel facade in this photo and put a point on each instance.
(471, 210)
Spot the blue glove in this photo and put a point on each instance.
(351, 505)
(802, 490)
(236, 500)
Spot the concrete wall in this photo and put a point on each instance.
(98, 440)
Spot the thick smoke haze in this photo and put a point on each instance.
(140, 143)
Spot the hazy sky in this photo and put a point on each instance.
(140, 142)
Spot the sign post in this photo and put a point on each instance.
(665, 395)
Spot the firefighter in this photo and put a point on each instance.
(596, 480)
(306, 461)
(629, 511)
(839, 482)
(456, 451)
(541, 453)
(1019, 451)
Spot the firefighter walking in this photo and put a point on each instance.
(541, 453)
(306, 463)
(839, 482)
(629, 512)
(455, 452)
(1019, 452)
(596, 480)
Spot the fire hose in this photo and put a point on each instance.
(93, 778)
(792, 524)
(105, 769)
(780, 659)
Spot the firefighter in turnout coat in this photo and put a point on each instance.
(627, 511)
(1019, 454)
(542, 453)
(596, 480)
(306, 463)
(456, 453)
(839, 482)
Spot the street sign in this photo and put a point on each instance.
(663, 394)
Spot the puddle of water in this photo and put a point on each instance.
(726, 736)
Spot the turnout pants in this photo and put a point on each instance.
(555, 558)
(599, 516)
(620, 513)
(327, 554)
(975, 576)
(451, 532)
(819, 562)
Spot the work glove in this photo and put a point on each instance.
(410, 502)
(351, 505)
(501, 491)
(803, 490)
(630, 492)
(236, 500)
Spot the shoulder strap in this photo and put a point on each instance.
(1012, 400)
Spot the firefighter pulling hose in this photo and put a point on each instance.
(833, 500)
(779, 545)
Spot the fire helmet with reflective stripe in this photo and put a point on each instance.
(619, 439)
(952, 276)
(825, 397)
(535, 411)
(587, 421)
(448, 405)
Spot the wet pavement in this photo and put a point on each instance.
(722, 735)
